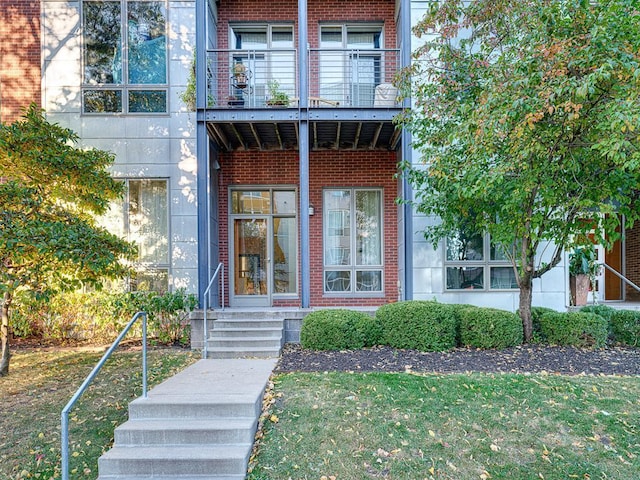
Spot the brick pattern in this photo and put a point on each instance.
(20, 58)
(632, 257)
(327, 169)
(319, 11)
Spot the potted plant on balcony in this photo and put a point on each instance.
(239, 75)
(277, 97)
(583, 269)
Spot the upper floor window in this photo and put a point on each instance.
(473, 262)
(268, 59)
(351, 63)
(125, 56)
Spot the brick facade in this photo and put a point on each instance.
(19, 57)
(319, 11)
(327, 169)
(632, 257)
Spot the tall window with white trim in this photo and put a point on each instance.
(353, 247)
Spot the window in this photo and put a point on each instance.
(267, 52)
(142, 217)
(472, 262)
(125, 57)
(352, 241)
(350, 63)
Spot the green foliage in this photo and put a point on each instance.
(420, 325)
(584, 260)
(578, 329)
(169, 316)
(625, 326)
(489, 328)
(603, 310)
(95, 317)
(531, 121)
(337, 329)
(50, 193)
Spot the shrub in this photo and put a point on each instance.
(625, 327)
(169, 316)
(489, 328)
(603, 310)
(419, 325)
(338, 329)
(579, 329)
(536, 314)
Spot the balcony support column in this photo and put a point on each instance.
(303, 149)
(406, 152)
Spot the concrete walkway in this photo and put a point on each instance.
(200, 423)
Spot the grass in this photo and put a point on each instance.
(40, 384)
(341, 426)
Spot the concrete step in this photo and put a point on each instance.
(196, 407)
(175, 461)
(248, 323)
(185, 431)
(245, 342)
(243, 352)
(251, 332)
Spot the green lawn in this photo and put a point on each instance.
(40, 384)
(405, 426)
(345, 425)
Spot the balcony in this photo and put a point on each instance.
(258, 79)
(254, 101)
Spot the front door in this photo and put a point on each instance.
(263, 246)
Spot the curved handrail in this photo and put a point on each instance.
(64, 416)
(205, 300)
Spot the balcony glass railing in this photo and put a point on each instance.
(268, 78)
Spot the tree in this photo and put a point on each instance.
(50, 191)
(526, 115)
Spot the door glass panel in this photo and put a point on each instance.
(284, 255)
(250, 269)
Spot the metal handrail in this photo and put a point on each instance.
(64, 417)
(205, 300)
(620, 276)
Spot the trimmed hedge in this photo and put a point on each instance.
(489, 328)
(339, 329)
(578, 329)
(625, 327)
(603, 310)
(418, 325)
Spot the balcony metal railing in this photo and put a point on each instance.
(353, 78)
(338, 78)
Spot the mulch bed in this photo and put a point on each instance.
(522, 359)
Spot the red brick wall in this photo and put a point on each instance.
(339, 11)
(327, 169)
(632, 258)
(19, 56)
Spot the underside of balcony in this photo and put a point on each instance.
(365, 130)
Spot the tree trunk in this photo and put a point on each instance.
(4, 335)
(526, 291)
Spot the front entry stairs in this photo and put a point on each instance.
(200, 424)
